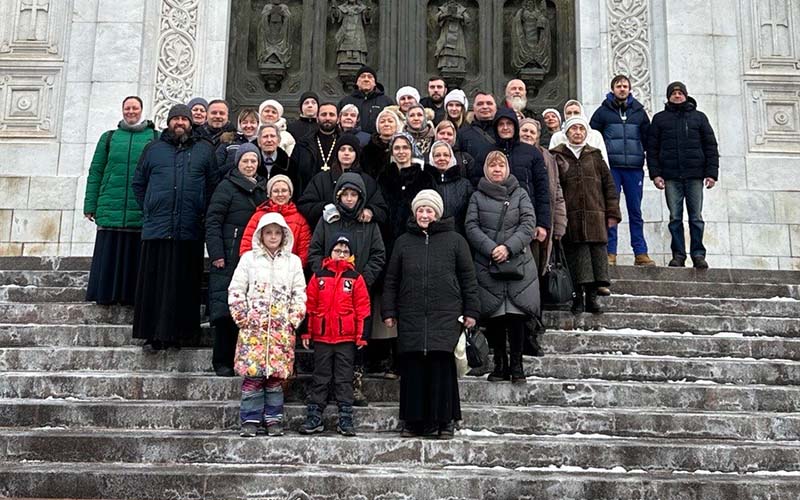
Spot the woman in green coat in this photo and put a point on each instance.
(110, 203)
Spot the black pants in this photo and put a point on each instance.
(510, 327)
(332, 361)
(225, 335)
(381, 355)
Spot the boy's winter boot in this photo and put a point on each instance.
(345, 426)
(313, 423)
(358, 395)
(500, 371)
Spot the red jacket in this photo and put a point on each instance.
(297, 223)
(337, 305)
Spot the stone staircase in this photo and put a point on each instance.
(687, 388)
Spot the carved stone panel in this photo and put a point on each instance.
(629, 46)
(773, 116)
(453, 48)
(771, 35)
(29, 102)
(33, 28)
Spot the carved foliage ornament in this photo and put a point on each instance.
(177, 57)
(629, 41)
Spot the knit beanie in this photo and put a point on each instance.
(532, 121)
(341, 239)
(280, 178)
(307, 95)
(367, 69)
(271, 102)
(676, 85)
(349, 140)
(179, 110)
(247, 147)
(457, 95)
(576, 120)
(197, 100)
(428, 198)
(407, 90)
(554, 111)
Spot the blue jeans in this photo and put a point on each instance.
(690, 190)
(630, 181)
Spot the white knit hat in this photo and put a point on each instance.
(457, 95)
(271, 102)
(407, 90)
(429, 198)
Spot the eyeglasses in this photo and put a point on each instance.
(341, 252)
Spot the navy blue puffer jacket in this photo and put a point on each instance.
(624, 128)
(173, 184)
(681, 144)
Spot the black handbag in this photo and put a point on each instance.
(477, 348)
(558, 289)
(511, 269)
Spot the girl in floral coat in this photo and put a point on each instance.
(267, 298)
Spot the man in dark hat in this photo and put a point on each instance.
(306, 123)
(173, 183)
(368, 96)
(682, 157)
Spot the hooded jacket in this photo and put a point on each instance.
(338, 304)
(267, 300)
(430, 282)
(624, 127)
(297, 224)
(527, 165)
(173, 185)
(109, 194)
(369, 105)
(229, 211)
(365, 237)
(483, 219)
(681, 144)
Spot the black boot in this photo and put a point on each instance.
(592, 306)
(500, 371)
(517, 372)
(577, 301)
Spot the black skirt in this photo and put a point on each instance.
(429, 388)
(115, 263)
(168, 291)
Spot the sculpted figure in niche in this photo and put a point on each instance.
(274, 48)
(530, 37)
(351, 41)
(451, 51)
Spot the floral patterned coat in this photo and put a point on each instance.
(267, 299)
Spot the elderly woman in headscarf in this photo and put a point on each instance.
(593, 138)
(420, 128)
(454, 189)
(377, 153)
(446, 131)
(592, 206)
(500, 225)
(271, 112)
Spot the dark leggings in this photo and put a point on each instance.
(508, 326)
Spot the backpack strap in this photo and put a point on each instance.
(109, 134)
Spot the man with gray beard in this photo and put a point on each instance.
(517, 98)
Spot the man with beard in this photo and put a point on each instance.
(173, 183)
(306, 123)
(477, 138)
(348, 123)
(315, 153)
(517, 98)
(217, 122)
(368, 97)
(437, 89)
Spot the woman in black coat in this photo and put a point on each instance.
(430, 283)
(233, 203)
(454, 189)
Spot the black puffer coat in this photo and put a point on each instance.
(455, 191)
(369, 105)
(483, 219)
(527, 165)
(233, 203)
(430, 282)
(173, 183)
(681, 144)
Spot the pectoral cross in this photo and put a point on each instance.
(34, 6)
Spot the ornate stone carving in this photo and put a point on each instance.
(629, 44)
(772, 34)
(274, 49)
(29, 102)
(531, 46)
(774, 116)
(451, 51)
(351, 39)
(33, 28)
(175, 71)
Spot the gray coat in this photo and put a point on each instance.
(519, 223)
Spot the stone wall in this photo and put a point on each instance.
(66, 65)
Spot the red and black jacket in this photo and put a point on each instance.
(338, 304)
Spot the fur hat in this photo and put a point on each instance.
(428, 198)
(179, 110)
(279, 178)
(247, 147)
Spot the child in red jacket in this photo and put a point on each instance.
(338, 307)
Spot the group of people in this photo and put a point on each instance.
(377, 231)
